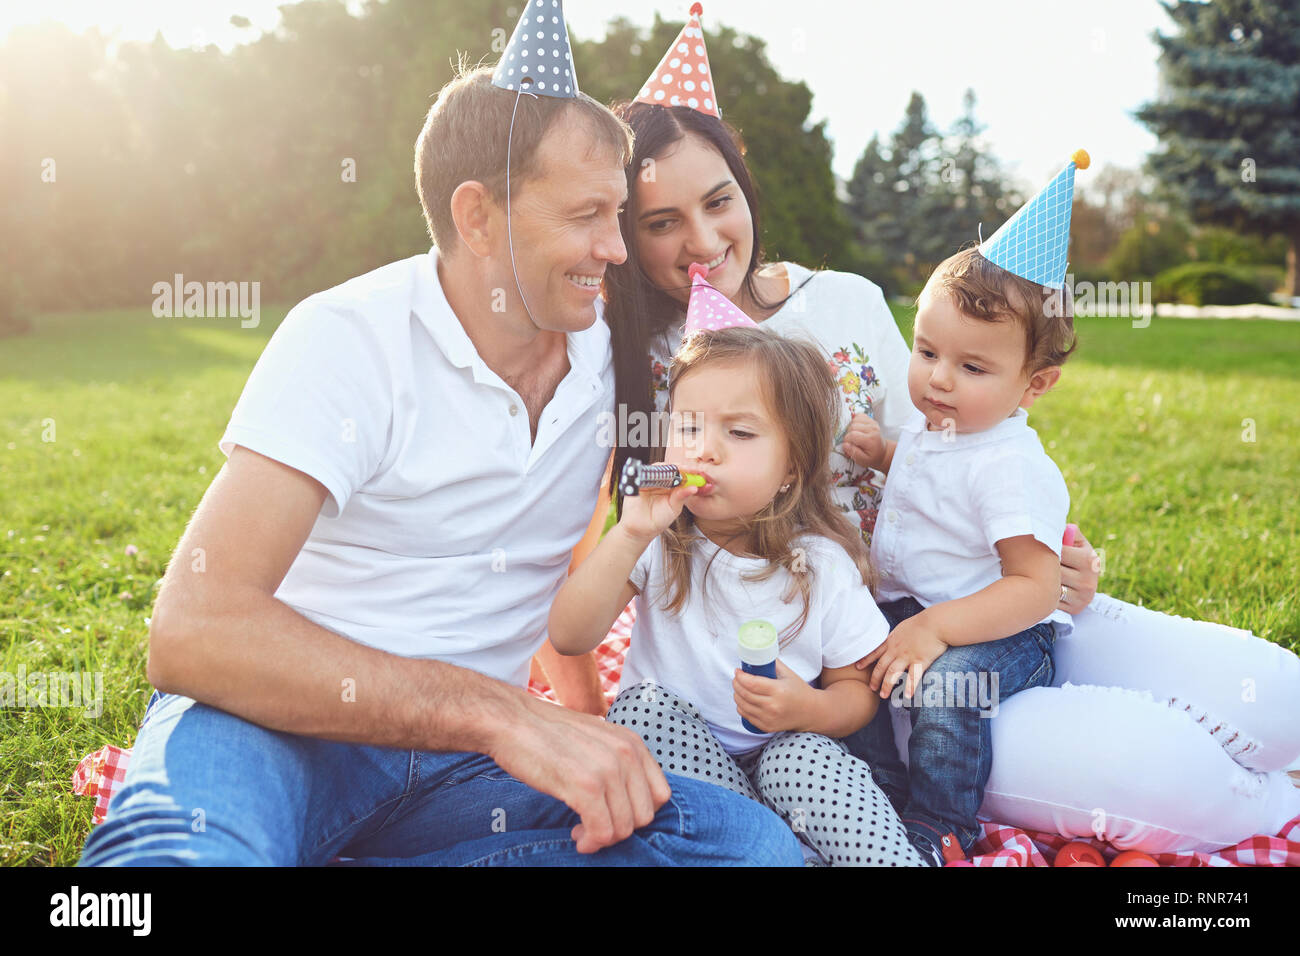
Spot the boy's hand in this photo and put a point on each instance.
(910, 648)
(773, 705)
(647, 515)
(863, 444)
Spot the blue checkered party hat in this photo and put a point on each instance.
(1034, 242)
(538, 59)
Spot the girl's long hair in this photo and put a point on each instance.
(800, 394)
(637, 312)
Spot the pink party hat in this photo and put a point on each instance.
(683, 77)
(709, 309)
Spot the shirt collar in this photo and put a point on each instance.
(589, 350)
(1015, 423)
(430, 303)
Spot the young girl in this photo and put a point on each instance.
(755, 414)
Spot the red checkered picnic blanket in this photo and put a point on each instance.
(99, 773)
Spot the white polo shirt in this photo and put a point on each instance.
(447, 531)
(950, 498)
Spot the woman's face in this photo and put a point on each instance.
(689, 208)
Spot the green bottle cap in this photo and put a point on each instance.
(758, 642)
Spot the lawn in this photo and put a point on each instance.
(1177, 442)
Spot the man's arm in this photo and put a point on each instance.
(219, 635)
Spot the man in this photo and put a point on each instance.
(343, 634)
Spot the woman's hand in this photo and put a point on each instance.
(647, 515)
(863, 443)
(773, 705)
(910, 649)
(1080, 572)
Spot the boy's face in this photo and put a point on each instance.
(721, 427)
(967, 373)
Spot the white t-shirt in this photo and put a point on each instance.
(447, 530)
(694, 653)
(951, 497)
(846, 316)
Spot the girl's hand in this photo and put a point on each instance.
(647, 515)
(910, 648)
(773, 705)
(1080, 572)
(863, 444)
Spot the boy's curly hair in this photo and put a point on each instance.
(981, 290)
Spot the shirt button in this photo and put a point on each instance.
(911, 459)
(893, 515)
(514, 409)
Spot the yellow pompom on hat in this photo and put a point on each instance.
(1034, 242)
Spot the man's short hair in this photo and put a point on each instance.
(981, 290)
(465, 137)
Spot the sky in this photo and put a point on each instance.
(1050, 76)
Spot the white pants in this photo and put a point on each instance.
(1160, 734)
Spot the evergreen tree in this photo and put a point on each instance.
(1228, 116)
(924, 197)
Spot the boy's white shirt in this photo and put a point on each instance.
(949, 499)
(693, 652)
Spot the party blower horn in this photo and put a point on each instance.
(638, 476)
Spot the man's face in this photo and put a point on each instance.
(564, 227)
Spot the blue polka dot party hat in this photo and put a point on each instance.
(538, 59)
(1034, 242)
(683, 77)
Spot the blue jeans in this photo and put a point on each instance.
(950, 751)
(204, 787)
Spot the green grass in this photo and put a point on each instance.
(1146, 426)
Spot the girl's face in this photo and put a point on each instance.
(688, 208)
(721, 427)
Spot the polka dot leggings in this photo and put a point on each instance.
(826, 795)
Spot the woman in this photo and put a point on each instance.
(1180, 736)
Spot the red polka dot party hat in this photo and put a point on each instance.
(683, 77)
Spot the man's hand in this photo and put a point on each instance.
(602, 772)
(863, 444)
(773, 705)
(910, 648)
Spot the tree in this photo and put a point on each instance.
(1228, 117)
(920, 200)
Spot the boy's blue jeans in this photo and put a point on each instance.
(950, 752)
(204, 787)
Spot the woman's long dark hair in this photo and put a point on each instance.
(637, 311)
